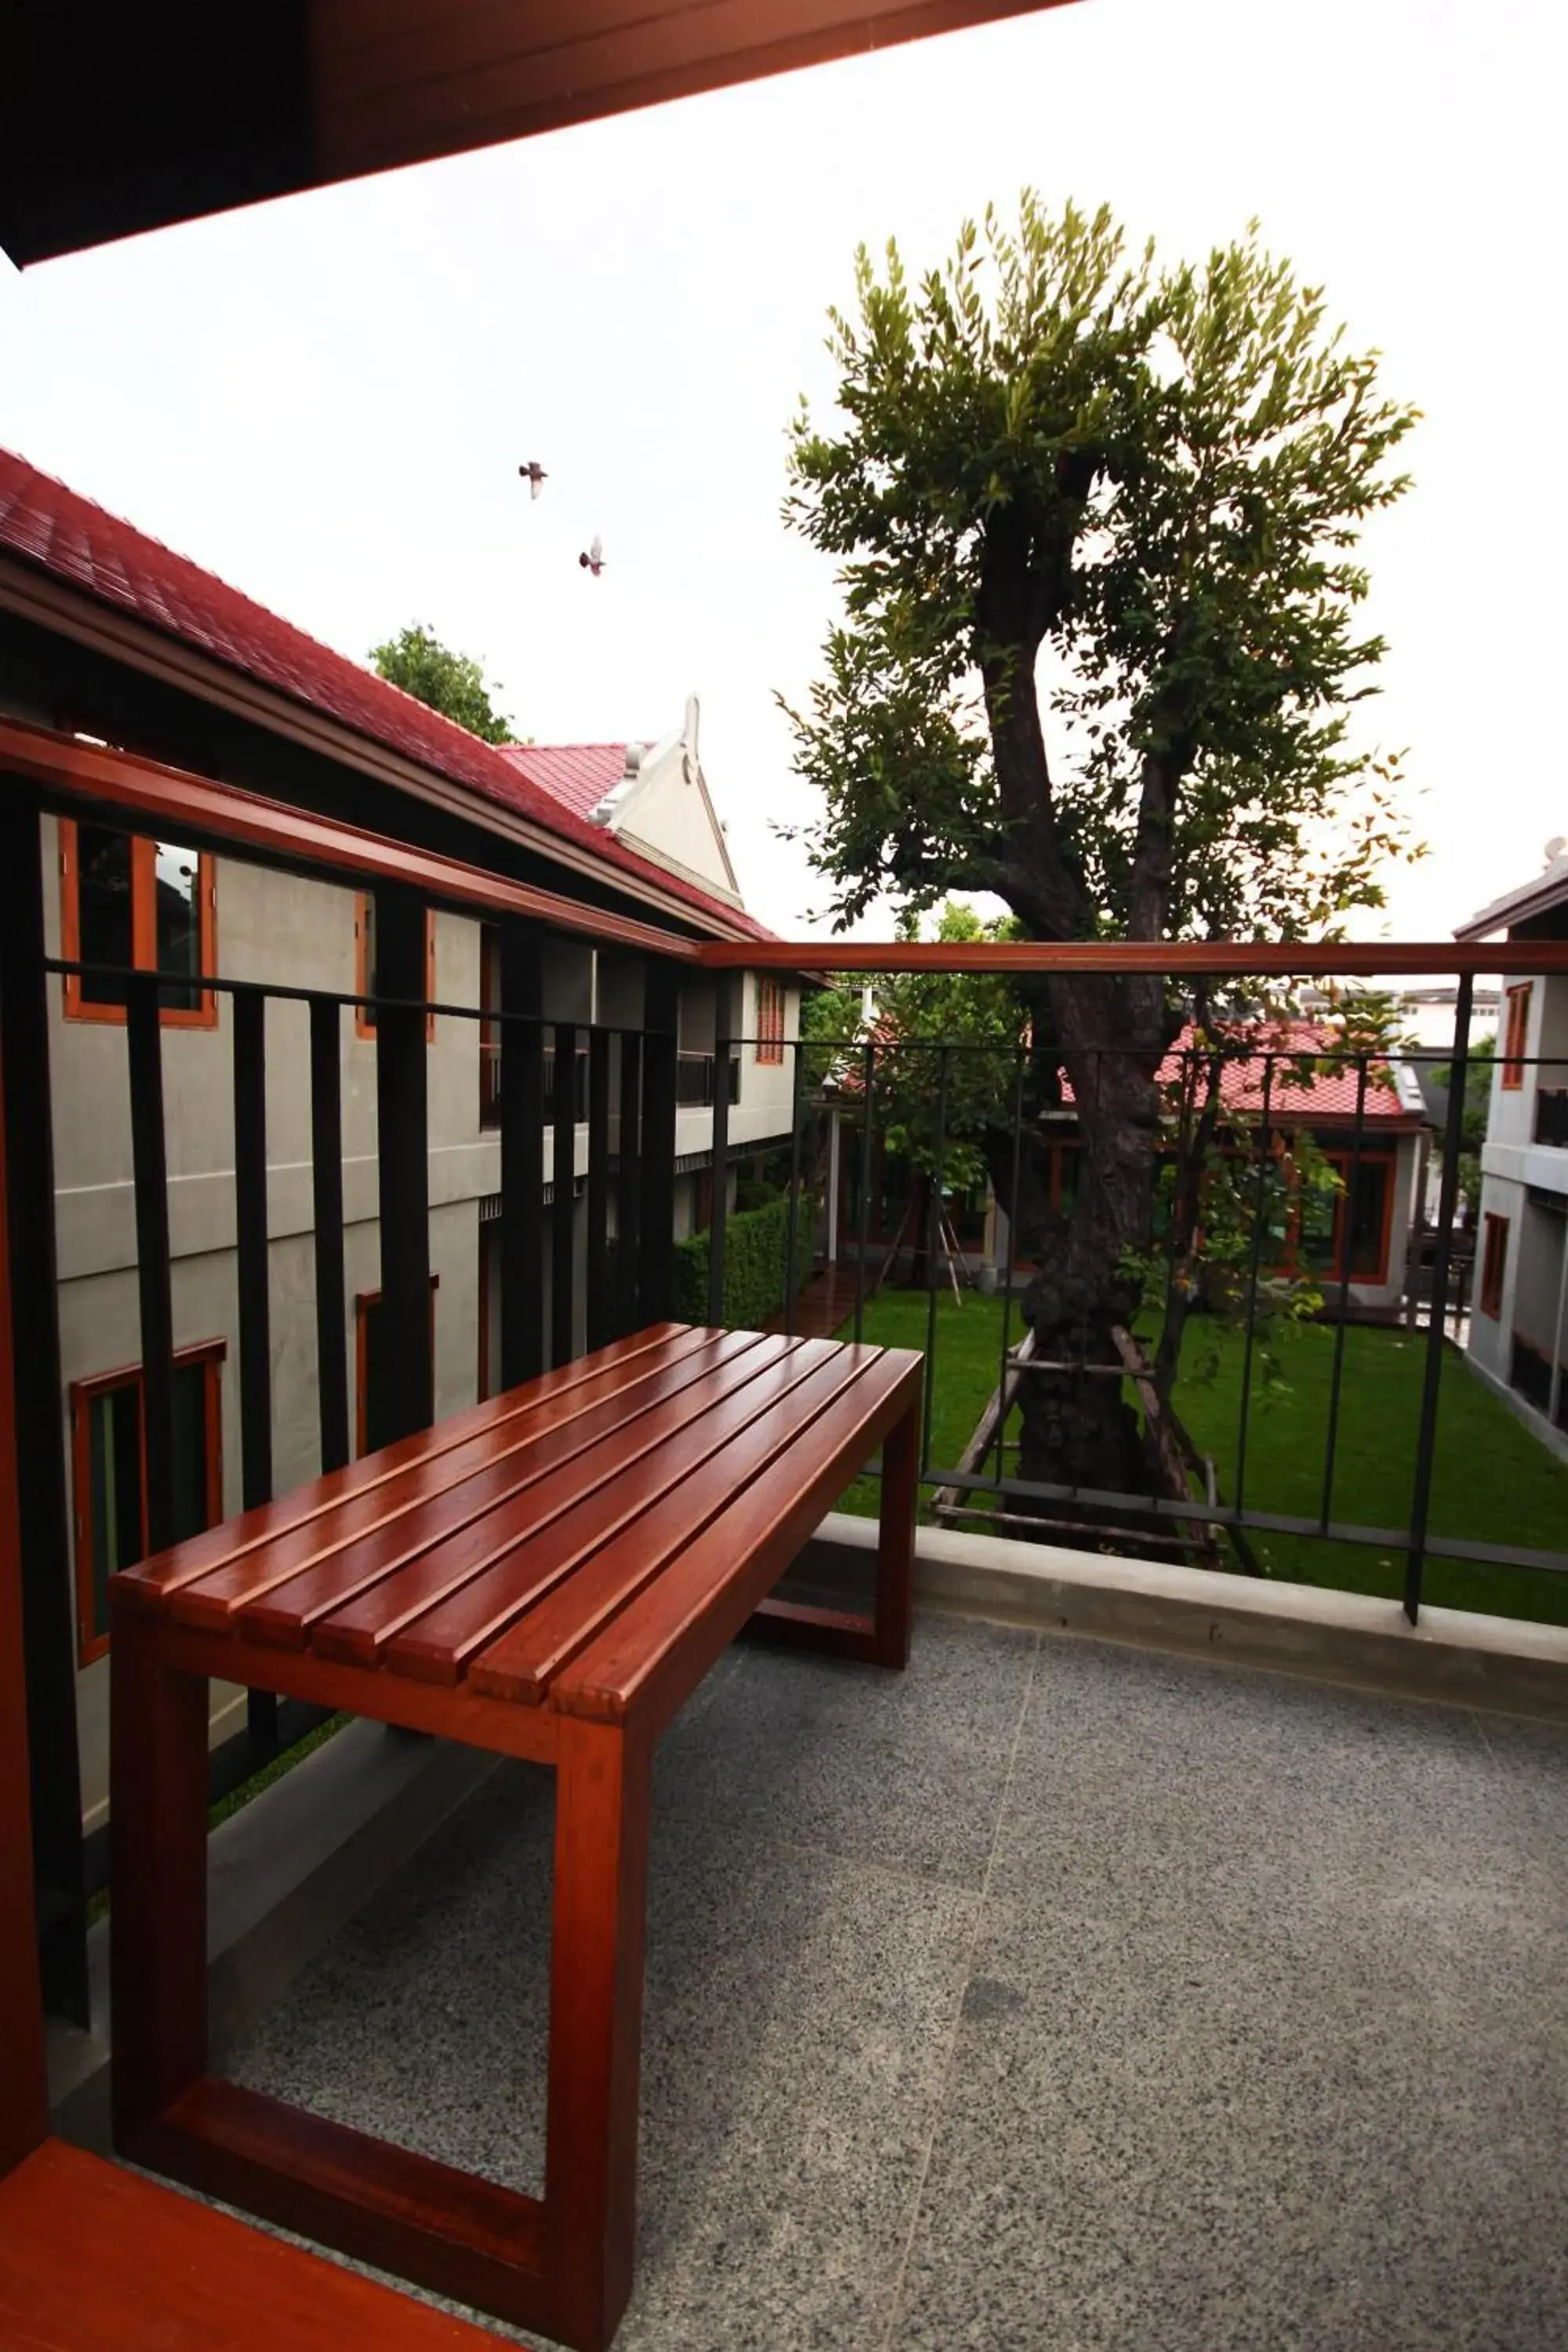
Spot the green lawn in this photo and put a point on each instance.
(1493, 1483)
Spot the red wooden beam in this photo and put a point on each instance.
(1219, 959)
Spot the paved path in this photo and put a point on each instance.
(1058, 1999)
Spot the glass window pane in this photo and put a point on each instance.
(190, 1450)
(103, 906)
(114, 1450)
(179, 924)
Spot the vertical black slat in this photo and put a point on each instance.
(402, 1158)
(792, 1231)
(862, 1247)
(661, 1020)
(327, 1207)
(42, 1498)
(1007, 1270)
(1332, 1446)
(521, 1152)
(598, 1303)
(250, 1249)
(1255, 1258)
(628, 1186)
(1431, 1387)
(151, 1188)
(250, 1236)
(933, 1235)
(723, 1025)
(563, 1179)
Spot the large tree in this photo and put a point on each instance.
(452, 683)
(1097, 521)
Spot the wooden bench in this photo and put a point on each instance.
(548, 1576)
(93, 2259)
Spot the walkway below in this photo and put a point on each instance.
(1055, 1998)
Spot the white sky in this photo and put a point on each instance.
(326, 400)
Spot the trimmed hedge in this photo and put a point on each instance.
(756, 1250)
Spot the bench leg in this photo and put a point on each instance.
(896, 1539)
(158, 1741)
(602, 1799)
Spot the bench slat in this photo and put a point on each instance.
(280, 1590)
(358, 1630)
(150, 1582)
(520, 1662)
(662, 1644)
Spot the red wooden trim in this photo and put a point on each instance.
(770, 1046)
(144, 930)
(1517, 1032)
(24, 2099)
(90, 1643)
(183, 807)
(1234, 959)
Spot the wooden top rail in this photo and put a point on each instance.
(1215, 959)
(214, 815)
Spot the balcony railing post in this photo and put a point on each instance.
(661, 1022)
(326, 1210)
(42, 1503)
(563, 1189)
(597, 1304)
(1337, 1378)
(521, 958)
(935, 1225)
(863, 1238)
(791, 1229)
(403, 1159)
(723, 1026)
(249, 1016)
(150, 1189)
(1431, 1387)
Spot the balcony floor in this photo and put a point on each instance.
(1057, 1997)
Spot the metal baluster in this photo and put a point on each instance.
(522, 962)
(251, 1268)
(862, 1247)
(1007, 1270)
(661, 1000)
(791, 1245)
(327, 1207)
(933, 1232)
(598, 1245)
(1255, 1262)
(628, 1187)
(403, 1159)
(564, 1176)
(724, 1018)
(1351, 1197)
(149, 1183)
(1431, 1386)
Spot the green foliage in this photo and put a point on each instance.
(1477, 1114)
(417, 661)
(1124, 500)
(757, 1248)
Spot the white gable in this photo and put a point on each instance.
(664, 811)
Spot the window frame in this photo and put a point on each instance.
(1342, 1159)
(363, 1300)
(770, 1042)
(364, 1019)
(1516, 1033)
(143, 928)
(1494, 1264)
(83, 1394)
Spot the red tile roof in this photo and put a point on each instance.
(578, 775)
(77, 541)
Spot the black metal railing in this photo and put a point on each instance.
(911, 1161)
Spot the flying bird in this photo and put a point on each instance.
(534, 474)
(593, 561)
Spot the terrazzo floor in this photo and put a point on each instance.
(1054, 1998)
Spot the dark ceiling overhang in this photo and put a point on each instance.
(116, 118)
